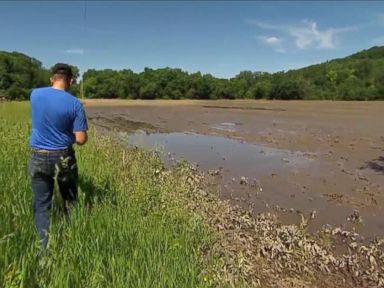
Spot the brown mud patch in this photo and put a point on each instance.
(261, 252)
(120, 123)
(343, 140)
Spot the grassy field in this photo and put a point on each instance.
(138, 224)
(130, 228)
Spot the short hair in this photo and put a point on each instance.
(63, 70)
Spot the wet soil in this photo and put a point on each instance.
(322, 159)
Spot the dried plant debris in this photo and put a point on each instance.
(262, 252)
(243, 180)
(355, 217)
(215, 172)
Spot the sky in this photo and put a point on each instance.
(220, 38)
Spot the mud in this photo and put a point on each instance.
(321, 159)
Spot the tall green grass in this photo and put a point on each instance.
(129, 228)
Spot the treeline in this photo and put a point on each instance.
(357, 77)
(19, 73)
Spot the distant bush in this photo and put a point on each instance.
(289, 90)
(16, 93)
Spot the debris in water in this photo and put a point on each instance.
(353, 245)
(355, 217)
(257, 184)
(214, 172)
(243, 180)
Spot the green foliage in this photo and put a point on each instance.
(259, 90)
(19, 73)
(289, 89)
(356, 77)
(16, 93)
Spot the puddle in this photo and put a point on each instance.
(276, 178)
(213, 152)
(256, 177)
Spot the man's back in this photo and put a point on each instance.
(58, 122)
(56, 114)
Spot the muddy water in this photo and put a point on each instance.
(212, 152)
(323, 159)
(246, 174)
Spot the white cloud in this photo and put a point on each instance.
(307, 34)
(274, 42)
(78, 51)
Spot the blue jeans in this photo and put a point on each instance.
(44, 168)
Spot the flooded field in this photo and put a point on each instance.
(323, 160)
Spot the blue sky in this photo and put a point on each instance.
(221, 38)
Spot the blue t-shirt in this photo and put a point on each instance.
(56, 114)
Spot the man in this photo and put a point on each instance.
(58, 121)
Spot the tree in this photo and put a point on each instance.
(289, 89)
(247, 76)
(149, 91)
(19, 73)
(17, 93)
(259, 90)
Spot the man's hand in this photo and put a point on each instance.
(81, 137)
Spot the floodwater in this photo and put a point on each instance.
(245, 172)
(323, 160)
(213, 152)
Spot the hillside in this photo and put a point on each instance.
(359, 76)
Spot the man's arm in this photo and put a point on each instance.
(80, 125)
